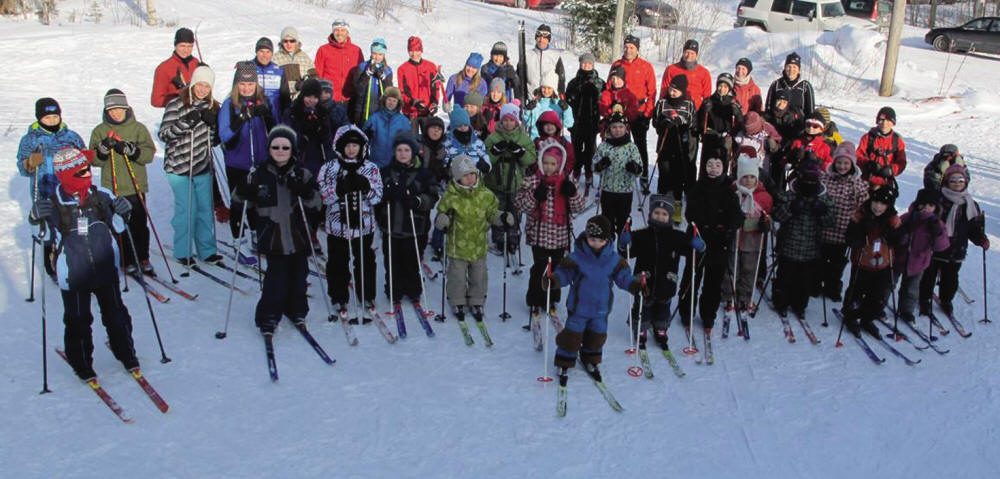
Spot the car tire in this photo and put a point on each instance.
(942, 43)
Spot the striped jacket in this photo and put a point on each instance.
(187, 146)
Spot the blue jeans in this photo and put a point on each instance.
(200, 208)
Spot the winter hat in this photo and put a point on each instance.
(745, 62)
(753, 123)
(204, 74)
(434, 121)
(588, 58)
(726, 78)
(748, 150)
(498, 84)
(844, 150)
(780, 95)
(692, 45)
(311, 87)
(550, 80)
(816, 118)
(824, 113)
(793, 59)
(884, 195)
(746, 166)
(183, 35)
(46, 106)
(475, 60)
(632, 40)
(406, 138)
(70, 160)
(549, 116)
(499, 48)
(886, 112)
(245, 72)
(661, 202)
(326, 85)
(928, 196)
(473, 98)
(616, 71)
(461, 166)
(457, 118)
(282, 131)
(543, 31)
(956, 169)
(340, 23)
(378, 46)
(950, 150)
(510, 110)
(679, 83)
(289, 33)
(600, 227)
(264, 44)
(414, 44)
(115, 98)
(349, 134)
(617, 117)
(391, 92)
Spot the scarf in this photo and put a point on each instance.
(749, 206)
(558, 213)
(958, 198)
(741, 81)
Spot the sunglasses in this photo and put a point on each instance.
(543, 35)
(289, 40)
(282, 148)
(813, 124)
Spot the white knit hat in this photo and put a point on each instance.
(203, 74)
(746, 166)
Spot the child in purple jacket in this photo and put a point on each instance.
(924, 235)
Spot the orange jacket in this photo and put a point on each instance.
(641, 81)
(699, 82)
(335, 62)
(164, 89)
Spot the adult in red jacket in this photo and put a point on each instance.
(418, 82)
(699, 79)
(881, 152)
(175, 72)
(641, 81)
(745, 89)
(337, 59)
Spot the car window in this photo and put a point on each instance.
(831, 10)
(803, 9)
(748, 3)
(995, 26)
(781, 6)
(980, 24)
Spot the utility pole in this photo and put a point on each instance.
(619, 37)
(892, 48)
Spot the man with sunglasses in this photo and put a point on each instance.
(544, 60)
(296, 63)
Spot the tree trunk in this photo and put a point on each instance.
(151, 18)
(932, 17)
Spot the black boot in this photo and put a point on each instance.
(870, 328)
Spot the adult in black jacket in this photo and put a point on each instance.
(583, 95)
(799, 92)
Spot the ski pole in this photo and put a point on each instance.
(848, 294)
(152, 316)
(149, 218)
(690, 349)
(400, 329)
(636, 371)
(545, 378)
(350, 251)
(118, 238)
(361, 253)
(736, 271)
(416, 249)
(986, 314)
(45, 348)
(190, 208)
(35, 239)
(315, 259)
(444, 262)
(232, 284)
(504, 316)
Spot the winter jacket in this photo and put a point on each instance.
(491, 114)
(472, 211)
(240, 152)
(128, 130)
(545, 105)
(802, 223)
(48, 143)
(419, 82)
(751, 232)
(748, 96)
(507, 173)
(674, 118)
(611, 97)
(847, 193)
(414, 180)
(583, 94)
(338, 206)
(805, 145)
(966, 230)
(84, 261)
(334, 62)
(382, 128)
(874, 239)
(474, 149)
(589, 275)
(545, 228)
(789, 122)
(715, 208)
(491, 70)
(315, 128)
(720, 114)
(281, 229)
(164, 78)
(640, 80)
(296, 66)
(877, 151)
(657, 250)
(459, 85)
(551, 117)
(434, 156)
(760, 142)
(271, 79)
(616, 179)
(540, 63)
(370, 80)
(699, 82)
(800, 94)
(924, 235)
(188, 147)
(934, 171)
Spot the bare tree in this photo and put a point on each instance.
(151, 18)
(11, 7)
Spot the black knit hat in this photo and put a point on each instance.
(661, 201)
(46, 106)
(884, 195)
(888, 113)
(745, 62)
(264, 43)
(632, 39)
(311, 87)
(282, 131)
(600, 227)
(692, 45)
(617, 71)
(793, 59)
(405, 138)
(927, 196)
(183, 35)
(679, 83)
(499, 48)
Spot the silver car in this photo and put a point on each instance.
(794, 15)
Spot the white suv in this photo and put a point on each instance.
(793, 15)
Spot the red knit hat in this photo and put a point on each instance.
(414, 44)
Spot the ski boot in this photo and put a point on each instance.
(660, 336)
(147, 268)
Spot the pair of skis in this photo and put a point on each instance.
(272, 365)
(422, 315)
(741, 323)
(562, 393)
(480, 325)
(881, 340)
(106, 398)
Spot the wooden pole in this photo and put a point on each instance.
(892, 48)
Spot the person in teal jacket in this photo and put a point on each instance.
(46, 136)
(384, 125)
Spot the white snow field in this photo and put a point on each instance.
(433, 407)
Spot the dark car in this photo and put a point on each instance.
(532, 4)
(654, 13)
(979, 35)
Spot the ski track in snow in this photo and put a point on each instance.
(432, 407)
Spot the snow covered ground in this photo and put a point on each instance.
(432, 407)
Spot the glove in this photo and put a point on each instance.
(563, 105)
(34, 159)
(885, 171)
(210, 117)
(432, 110)
(442, 222)
(507, 219)
(296, 183)
(356, 183)
(420, 106)
(178, 81)
(412, 201)
(624, 239)
(531, 105)
(42, 209)
(820, 208)
(221, 213)
(895, 222)
(633, 167)
(765, 223)
(985, 244)
(698, 244)
(567, 188)
(549, 281)
(638, 285)
(483, 166)
(262, 110)
(122, 207)
(603, 164)
(499, 148)
(236, 121)
(105, 146)
(127, 148)
(541, 192)
(516, 151)
(394, 192)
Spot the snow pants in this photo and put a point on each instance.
(655, 314)
(832, 264)
(948, 285)
(584, 146)
(140, 233)
(201, 208)
(78, 339)
(405, 263)
(584, 336)
(283, 291)
(746, 263)
(338, 268)
(467, 282)
(536, 294)
(868, 294)
(708, 274)
(640, 130)
(617, 207)
(909, 293)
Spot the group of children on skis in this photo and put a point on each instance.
(495, 162)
